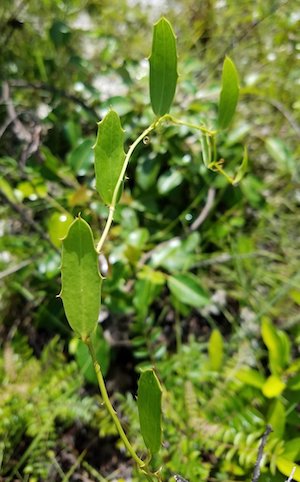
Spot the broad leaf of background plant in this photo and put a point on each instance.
(109, 155)
(149, 407)
(58, 225)
(187, 289)
(81, 281)
(163, 67)
(229, 94)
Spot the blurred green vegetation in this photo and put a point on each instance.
(187, 254)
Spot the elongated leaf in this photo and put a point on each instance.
(250, 377)
(215, 350)
(277, 418)
(109, 155)
(286, 467)
(277, 346)
(149, 407)
(163, 67)
(205, 149)
(81, 281)
(187, 289)
(229, 93)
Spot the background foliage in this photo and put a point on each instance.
(187, 254)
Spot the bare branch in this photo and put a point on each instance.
(256, 472)
(205, 211)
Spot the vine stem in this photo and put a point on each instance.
(109, 406)
(147, 131)
(119, 182)
(143, 466)
(188, 124)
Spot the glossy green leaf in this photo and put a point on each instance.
(187, 289)
(176, 255)
(58, 225)
(81, 281)
(215, 350)
(168, 181)
(109, 155)
(163, 67)
(286, 467)
(273, 387)
(229, 94)
(149, 407)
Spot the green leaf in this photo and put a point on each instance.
(292, 449)
(250, 377)
(168, 181)
(280, 152)
(286, 466)
(229, 94)
(277, 418)
(215, 350)
(147, 171)
(176, 255)
(187, 289)
(81, 281)
(205, 142)
(7, 190)
(58, 225)
(109, 155)
(273, 387)
(81, 157)
(278, 346)
(163, 67)
(145, 293)
(149, 407)
(294, 383)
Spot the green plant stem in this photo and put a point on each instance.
(216, 167)
(141, 464)
(147, 131)
(119, 182)
(106, 229)
(188, 124)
